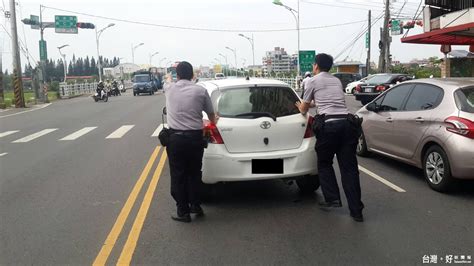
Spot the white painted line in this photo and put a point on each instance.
(6, 133)
(384, 181)
(78, 133)
(158, 129)
(27, 111)
(35, 135)
(3, 154)
(120, 132)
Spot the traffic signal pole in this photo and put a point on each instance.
(17, 82)
(43, 97)
(369, 33)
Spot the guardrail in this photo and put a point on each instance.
(71, 90)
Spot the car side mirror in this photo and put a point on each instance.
(164, 110)
(372, 107)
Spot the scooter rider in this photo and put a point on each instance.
(100, 87)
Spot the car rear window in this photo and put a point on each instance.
(379, 79)
(465, 99)
(278, 101)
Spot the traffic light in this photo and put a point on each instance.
(84, 25)
(28, 21)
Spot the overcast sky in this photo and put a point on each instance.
(201, 47)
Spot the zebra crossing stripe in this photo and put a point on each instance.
(6, 133)
(35, 135)
(78, 133)
(120, 132)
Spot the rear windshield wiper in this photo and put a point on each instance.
(258, 114)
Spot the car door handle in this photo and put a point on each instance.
(390, 120)
(419, 120)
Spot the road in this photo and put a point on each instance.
(84, 182)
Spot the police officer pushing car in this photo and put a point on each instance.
(337, 132)
(185, 102)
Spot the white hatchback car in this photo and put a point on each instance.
(260, 134)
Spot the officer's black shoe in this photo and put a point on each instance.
(358, 218)
(330, 204)
(186, 218)
(196, 209)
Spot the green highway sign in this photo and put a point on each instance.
(35, 22)
(307, 60)
(396, 28)
(43, 51)
(65, 24)
(367, 44)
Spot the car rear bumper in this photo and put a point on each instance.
(221, 166)
(366, 96)
(461, 155)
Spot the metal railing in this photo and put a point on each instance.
(77, 89)
(292, 82)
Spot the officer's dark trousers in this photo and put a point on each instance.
(339, 138)
(185, 151)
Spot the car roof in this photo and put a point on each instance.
(212, 85)
(446, 83)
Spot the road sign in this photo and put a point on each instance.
(35, 22)
(43, 50)
(396, 27)
(65, 24)
(367, 44)
(307, 61)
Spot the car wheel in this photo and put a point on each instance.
(151, 93)
(308, 184)
(437, 170)
(353, 91)
(362, 147)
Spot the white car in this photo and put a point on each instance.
(260, 134)
(350, 88)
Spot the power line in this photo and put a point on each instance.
(199, 29)
(26, 53)
(416, 15)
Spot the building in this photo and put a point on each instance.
(278, 61)
(350, 67)
(448, 23)
(121, 70)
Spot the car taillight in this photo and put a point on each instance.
(358, 88)
(461, 126)
(309, 128)
(380, 88)
(212, 132)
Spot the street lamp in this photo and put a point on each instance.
(133, 51)
(151, 56)
(64, 60)
(251, 40)
(97, 36)
(235, 58)
(225, 58)
(296, 15)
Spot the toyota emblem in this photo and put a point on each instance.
(265, 125)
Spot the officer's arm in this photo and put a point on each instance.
(213, 118)
(303, 107)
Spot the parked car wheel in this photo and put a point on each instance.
(362, 147)
(308, 184)
(436, 169)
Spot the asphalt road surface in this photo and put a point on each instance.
(84, 182)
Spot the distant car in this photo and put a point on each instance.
(347, 78)
(219, 76)
(260, 134)
(428, 123)
(350, 88)
(373, 87)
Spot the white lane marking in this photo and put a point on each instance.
(78, 133)
(384, 181)
(34, 109)
(120, 132)
(3, 154)
(6, 133)
(35, 135)
(158, 129)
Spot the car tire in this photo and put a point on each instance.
(353, 91)
(437, 169)
(308, 184)
(361, 149)
(151, 92)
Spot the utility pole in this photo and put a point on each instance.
(369, 33)
(17, 82)
(385, 41)
(2, 98)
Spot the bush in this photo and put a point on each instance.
(54, 86)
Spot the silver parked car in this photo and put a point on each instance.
(428, 123)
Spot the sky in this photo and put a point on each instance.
(204, 47)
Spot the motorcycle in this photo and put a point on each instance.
(115, 90)
(103, 96)
(122, 88)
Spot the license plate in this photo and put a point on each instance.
(367, 90)
(267, 166)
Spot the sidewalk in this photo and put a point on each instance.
(14, 111)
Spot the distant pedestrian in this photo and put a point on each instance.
(185, 102)
(337, 132)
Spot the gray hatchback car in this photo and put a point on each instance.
(428, 123)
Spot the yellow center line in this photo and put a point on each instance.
(109, 243)
(129, 248)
